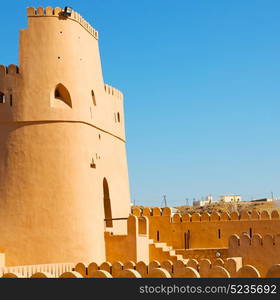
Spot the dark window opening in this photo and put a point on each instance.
(2, 97)
(93, 98)
(61, 93)
(11, 100)
(107, 204)
(119, 118)
(187, 236)
(158, 236)
(250, 232)
(219, 233)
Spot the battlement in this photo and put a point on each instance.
(56, 12)
(256, 240)
(9, 80)
(205, 217)
(260, 250)
(8, 70)
(113, 91)
(27, 271)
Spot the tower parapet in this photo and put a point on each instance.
(113, 91)
(10, 69)
(56, 12)
(9, 80)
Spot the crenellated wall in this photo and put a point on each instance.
(27, 271)
(56, 12)
(116, 98)
(261, 251)
(206, 230)
(113, 92)
(153, 270)
(9, 82)
(229, 268)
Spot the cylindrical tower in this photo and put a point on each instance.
(63, 166)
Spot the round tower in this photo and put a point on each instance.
(63, 169)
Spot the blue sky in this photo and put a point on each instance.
(201, 85)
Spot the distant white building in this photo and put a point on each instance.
(263, 200)
(230, 198)
(208, 200)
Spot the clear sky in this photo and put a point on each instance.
(202, 93)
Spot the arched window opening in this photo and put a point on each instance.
(107, 204)
(93, 98)
(2, 97)
(61, 96)
(118, 116)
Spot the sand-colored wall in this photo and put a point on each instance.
(131, 247)
(203, 253)
(51, 196)
(206, 231)
(27, 271)
(260, 251)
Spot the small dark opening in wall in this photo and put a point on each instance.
(99, 136)
(219, 233)
(107, 204)
(93, 98)
(11, 100)
(158, 236)
(93, 165)
(250, 232)
(188, 239)
(58, 57)
(185, 240)
(2, 97)
(119, 118)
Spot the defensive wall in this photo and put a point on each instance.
(230, 268)
(206, 230)
(259, 251)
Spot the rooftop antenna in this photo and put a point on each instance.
(164, 202)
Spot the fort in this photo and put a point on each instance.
(65, 208)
